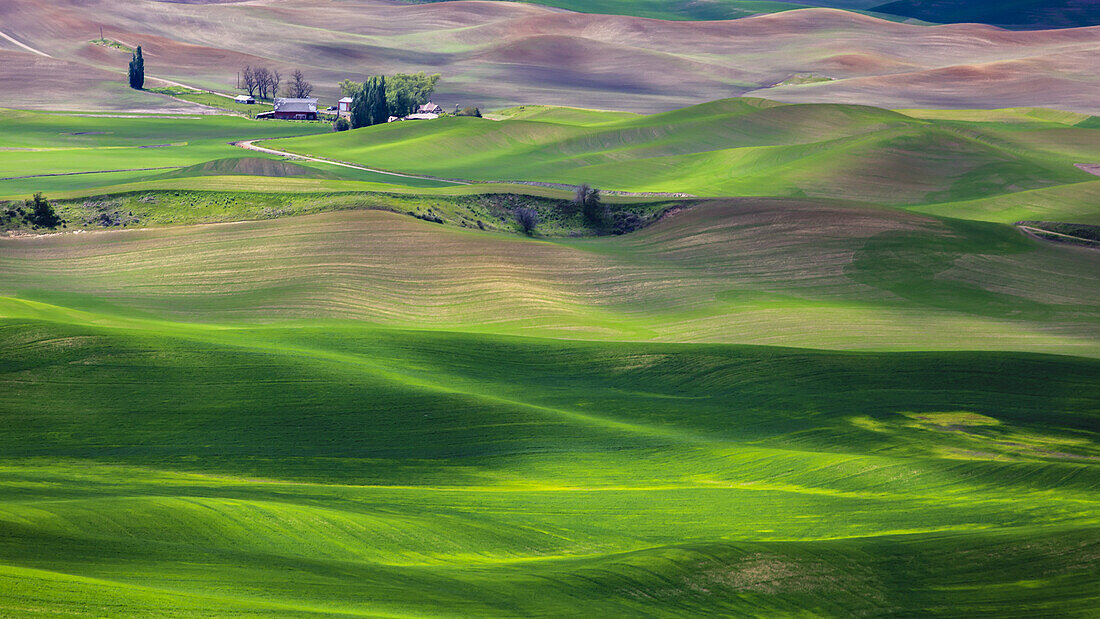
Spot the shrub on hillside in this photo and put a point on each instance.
(527, 218)
(341, 124)
(625, 222)
(41, 212)
(469, 111)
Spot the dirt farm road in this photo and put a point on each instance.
(250, 145)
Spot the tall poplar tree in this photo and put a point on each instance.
(360, 107)
(379, 109)
(137, 70)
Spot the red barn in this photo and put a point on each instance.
(293, 109)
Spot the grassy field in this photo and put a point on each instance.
(352, 394)
(214, 100)
(936, 161)
(335, 415)
(64, 152)
(797, 273)
(999, 165)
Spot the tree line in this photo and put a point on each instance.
(378, 98)
(267, 82)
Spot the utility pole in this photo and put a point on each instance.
(101, 33)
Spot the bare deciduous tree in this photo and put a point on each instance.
(274, 80)
(263, 80)
(249, 75)
(299, 87)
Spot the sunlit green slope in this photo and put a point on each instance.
(345, 469)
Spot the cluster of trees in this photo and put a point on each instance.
(378, 98)
(261, 81)
(137, 70)
(266, 83)
(406, 92)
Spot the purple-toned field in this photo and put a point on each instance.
(492, 54)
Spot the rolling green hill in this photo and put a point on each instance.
(744, 147)
(801, 273)
(334, 416)
(1000, 165)
(319, 470)
(342, 399)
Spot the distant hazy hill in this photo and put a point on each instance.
(688, 10)
(1017, 14)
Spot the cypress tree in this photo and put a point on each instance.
(137, 70)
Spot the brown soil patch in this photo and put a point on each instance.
(1091, 168)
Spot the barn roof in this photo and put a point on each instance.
(295, 105)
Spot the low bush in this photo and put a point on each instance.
(527, 218)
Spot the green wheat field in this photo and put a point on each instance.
(827, 377)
